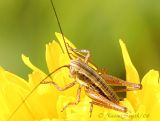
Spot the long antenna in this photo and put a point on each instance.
(54, 10)
(29, 94)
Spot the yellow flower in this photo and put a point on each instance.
(45, 103)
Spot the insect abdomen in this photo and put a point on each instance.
(86, 72)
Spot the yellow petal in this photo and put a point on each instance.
(55, 58)
(12, 78)
(151, 79)
(12, 96)
(154, 112)
(53, 119)
(50, 93)
(29, 64)
(131, 76)
(34, 68)
(60, 39)
(4, 108)
(131, 72)
(141, 114)
(150, 92)
(53, 53)
(47, 96)
(75, 112)
(12, 90)
(46, 119)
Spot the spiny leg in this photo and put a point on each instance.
(125, 90)
(81, 52)
(102, 71)
(91, 108)
(102, 101)
(119, 82)
(101, 104)
(77, 55)
(58, 87)
(81, 55)
(87, 52)
(74, 54)
(77, 99)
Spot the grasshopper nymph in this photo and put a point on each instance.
(95, 82)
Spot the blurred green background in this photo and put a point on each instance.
(27, 25)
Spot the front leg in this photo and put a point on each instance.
(87, 52)
(81, 52)
(77, 99)
(58, 87)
